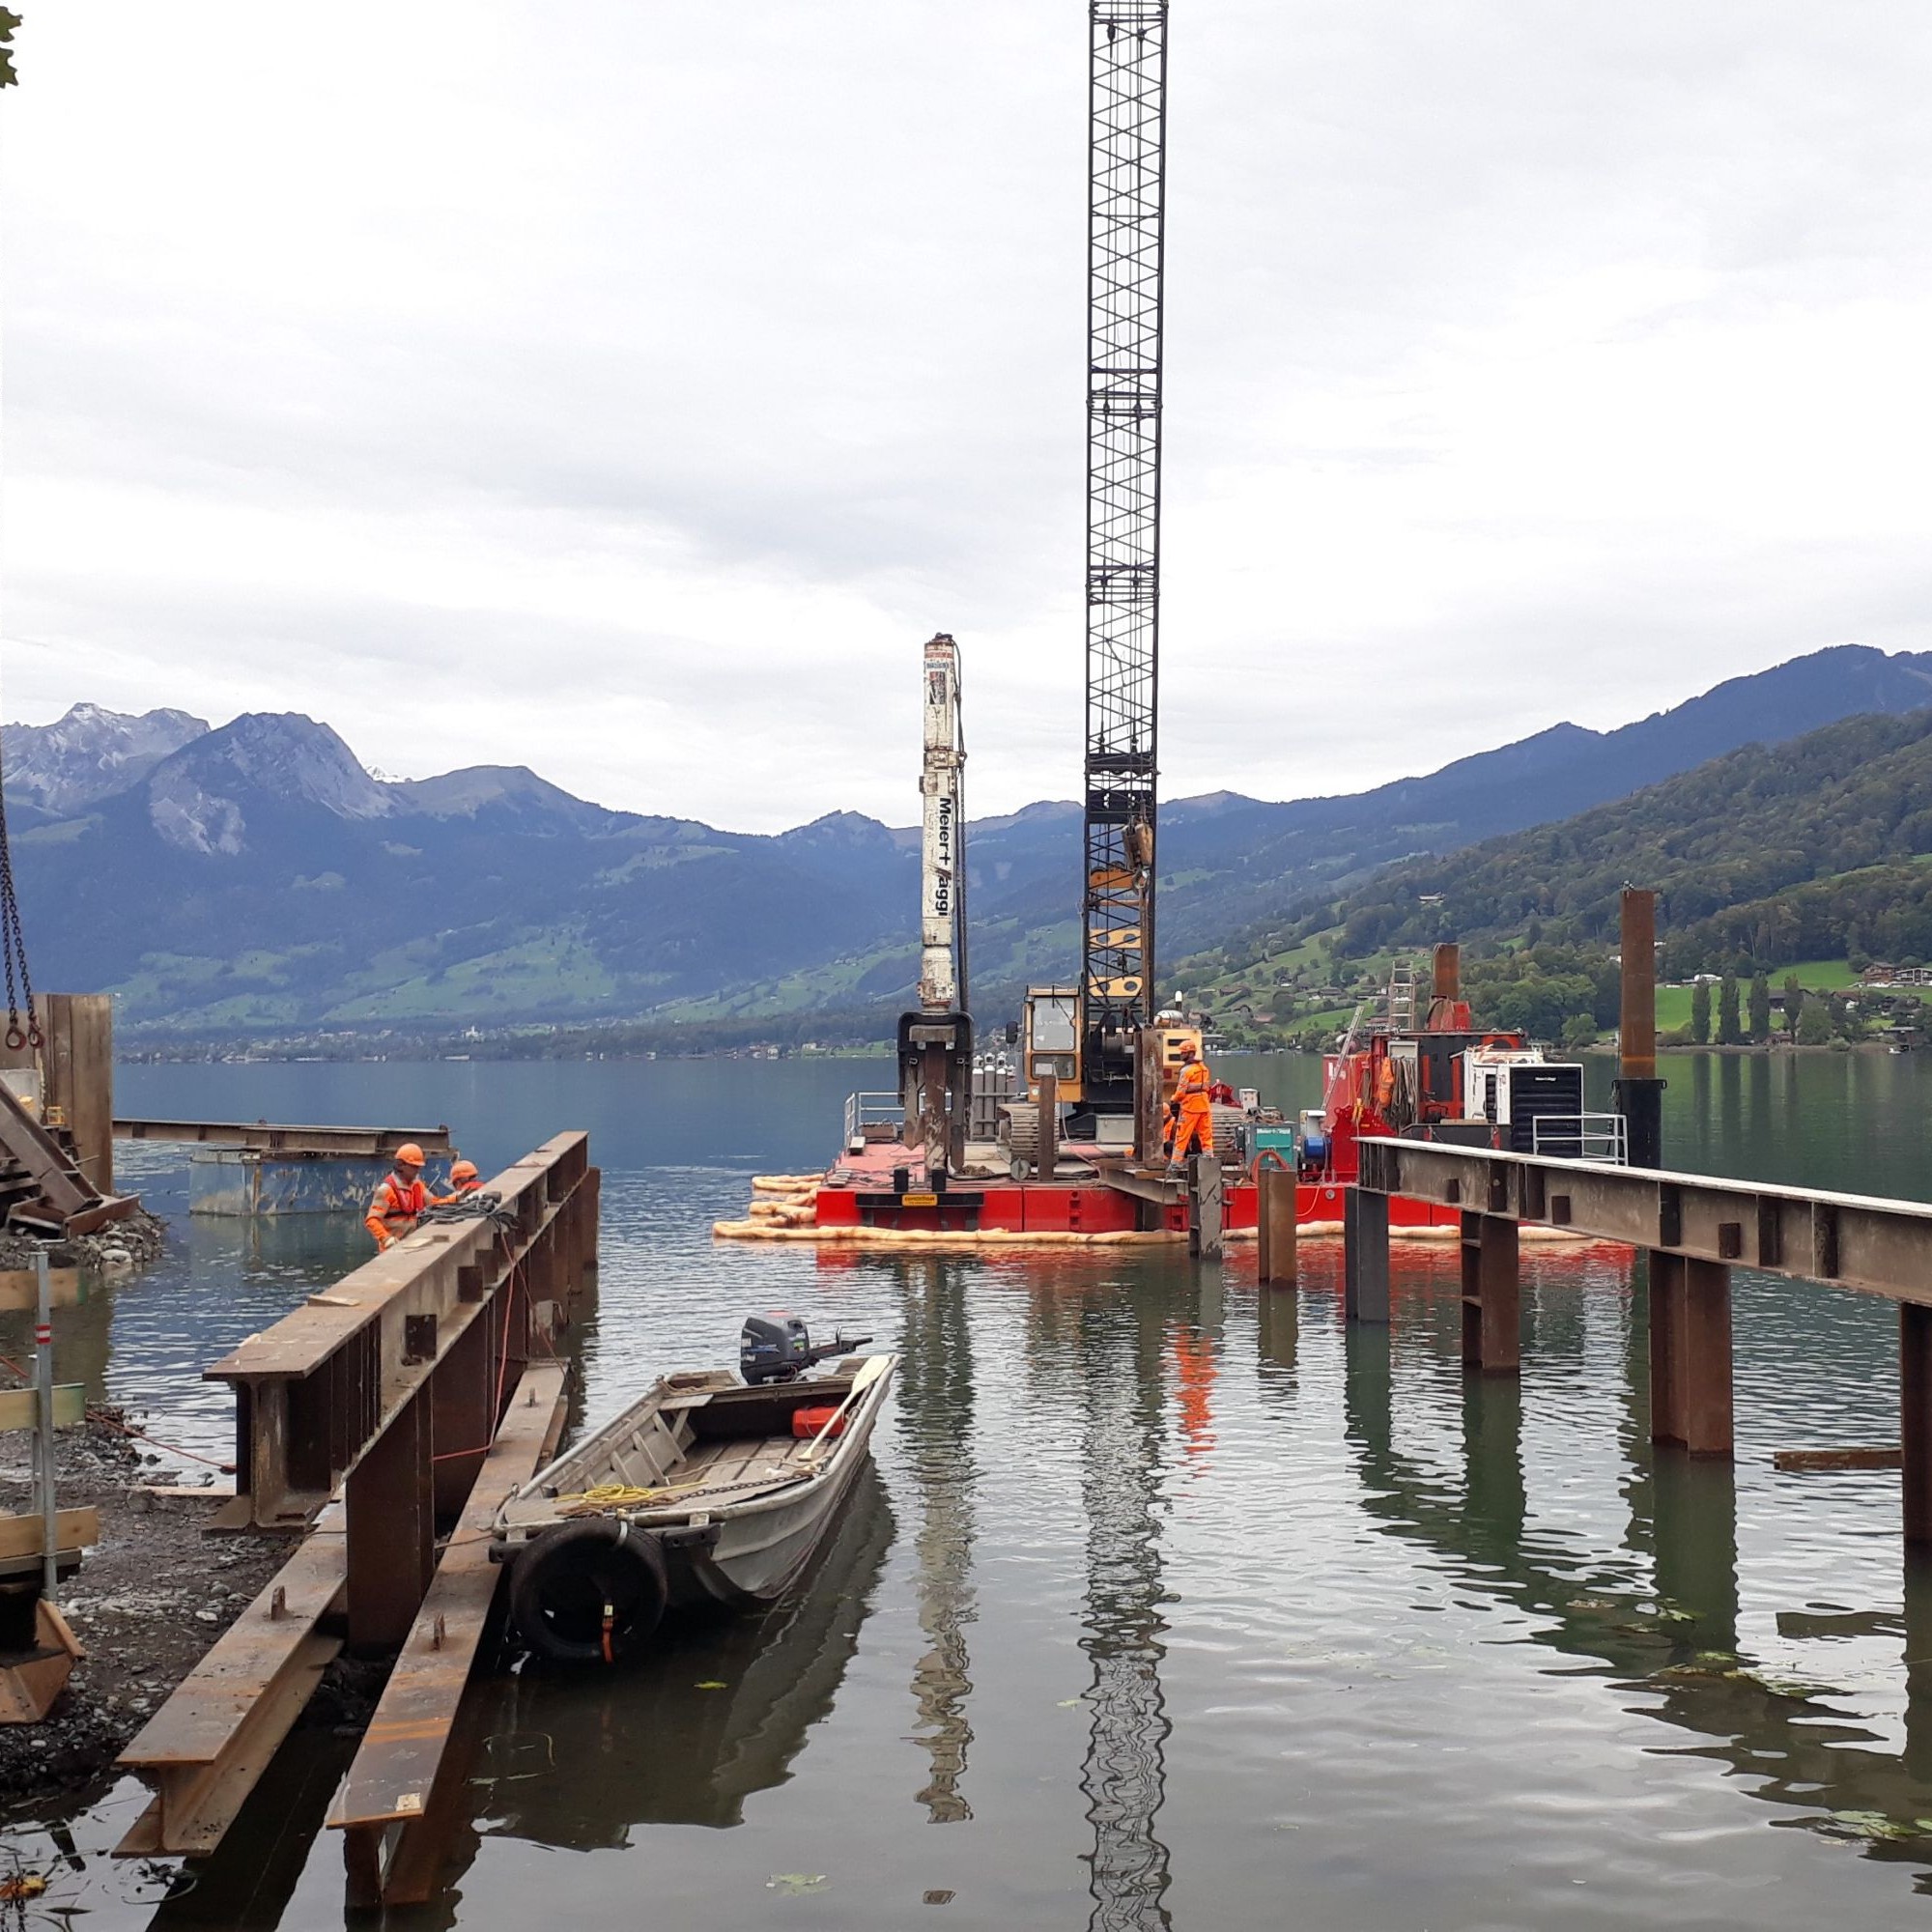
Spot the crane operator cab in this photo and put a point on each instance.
(1050, 1035)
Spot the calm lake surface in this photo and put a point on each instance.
(1173, 1601)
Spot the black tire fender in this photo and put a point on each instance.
(592, 1590)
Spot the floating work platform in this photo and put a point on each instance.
(1093, 1198)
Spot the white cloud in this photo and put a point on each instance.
(629, 390)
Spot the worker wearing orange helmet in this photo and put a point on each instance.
(463, 1179)
(1192, 1108)
(400, 1198)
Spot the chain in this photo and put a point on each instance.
(14, 941)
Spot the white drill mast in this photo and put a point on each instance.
(942, 846)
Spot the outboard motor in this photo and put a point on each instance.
(777, 1347)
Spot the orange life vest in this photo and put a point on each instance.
(395, 1208)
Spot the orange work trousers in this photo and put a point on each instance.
(1193, 1130)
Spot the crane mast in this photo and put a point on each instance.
(1128, 110)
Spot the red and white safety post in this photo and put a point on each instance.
(43, 1378)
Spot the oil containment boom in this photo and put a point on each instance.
(1128, 113)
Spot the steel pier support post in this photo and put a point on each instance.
(1274, 1224)
(1491, 1295)
(1365, 1245)
(1914, 1418)
(463, 1394)
(390, 1498)
(1691, 1353)
(1665, 1272)
(1706, 1363)
(1204, 1203)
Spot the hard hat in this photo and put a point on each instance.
(1188, 1049)
(463, 1170)
(409, 1154)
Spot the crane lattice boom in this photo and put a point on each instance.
(1129, 113)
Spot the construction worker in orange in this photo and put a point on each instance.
(400, 1198)
(463, 1179)
(1194, 1113)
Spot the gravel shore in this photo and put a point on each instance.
(147, 1602)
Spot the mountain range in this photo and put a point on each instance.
(256, 876)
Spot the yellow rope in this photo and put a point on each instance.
(622, 1495)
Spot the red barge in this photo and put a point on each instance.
(1432, 1074)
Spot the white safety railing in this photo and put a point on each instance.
(1597, 1137)
(870, 1110)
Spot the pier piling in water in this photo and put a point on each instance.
(1365, 1254)
(1639, 1091)
(1691, 1353)
(1491, 1295)
(1914, 1418)
(1274, 1224)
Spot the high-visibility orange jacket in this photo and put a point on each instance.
(1192, 1089)
(395, 1209)
(456, 1193)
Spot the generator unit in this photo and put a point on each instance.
(1512, 1087)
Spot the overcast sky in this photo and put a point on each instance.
(627, 389)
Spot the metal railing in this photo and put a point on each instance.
(1597, 1137)
(870, 1110)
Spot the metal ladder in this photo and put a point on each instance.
(1401, 998)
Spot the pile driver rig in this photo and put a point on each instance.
(936, 1041)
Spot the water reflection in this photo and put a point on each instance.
(935, 1394)
(1124, 1776)
(1662, 1615)
(719, 1711)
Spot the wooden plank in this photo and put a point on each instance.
(20, 1292)
(20, 1409)
(26, 1535)
(1798, 1462)
(389, 1802)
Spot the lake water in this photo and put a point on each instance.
(1173, 1601)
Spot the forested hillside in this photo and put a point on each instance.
(257, 878)
(1843, 813)
(1817, 850)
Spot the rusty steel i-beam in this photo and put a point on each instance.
(391, 1388)
(1691, 1229)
